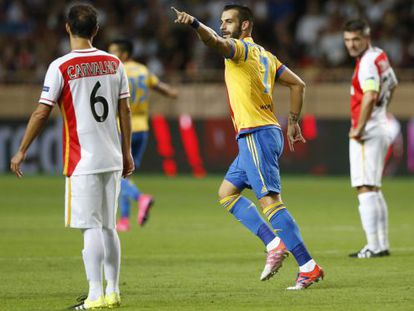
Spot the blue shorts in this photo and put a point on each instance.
(257, 164)
(138, 146)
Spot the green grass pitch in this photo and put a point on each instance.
(193, 255)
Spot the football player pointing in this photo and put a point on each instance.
(373, 84)
(250, 74)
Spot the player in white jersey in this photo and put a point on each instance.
(91, 89)
(373, 84)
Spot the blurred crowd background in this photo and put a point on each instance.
(306, 35)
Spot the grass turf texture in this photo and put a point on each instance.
(193, 255)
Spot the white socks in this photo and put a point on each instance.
(93, 256)
(374, 217)
(112, 260)
(273, 244)
(308, 267)
(101, 250)
(382, 228)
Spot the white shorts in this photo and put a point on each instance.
(367, 160)
(91, 200)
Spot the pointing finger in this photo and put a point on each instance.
(175, 10)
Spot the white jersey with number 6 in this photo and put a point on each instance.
(87, 84)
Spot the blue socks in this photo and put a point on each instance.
(287, 229)
(245, 211)
(128, 192)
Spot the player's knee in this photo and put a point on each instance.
(224, 192)
(366, 188)
(228, 201)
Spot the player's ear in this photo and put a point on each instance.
(96, 31)
(245, 26)
(67, 28)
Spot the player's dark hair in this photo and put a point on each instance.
(245, 14)
(357, 25)
(124, 45)
(82, 20)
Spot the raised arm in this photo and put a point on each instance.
(297, 93)
(37, 121)
(124, 113)
(209, 37)
(166, 89)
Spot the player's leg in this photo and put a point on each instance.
(264, 149)
(369, 214)
(382, 223)
(145, 201)
(238, 176)
(129, 191)
(83, 211)
(367, 162)
(112, 259)
(242, 208)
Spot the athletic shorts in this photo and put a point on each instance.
(138, 146)
(91, 200)
(257, 164)
(367, 160)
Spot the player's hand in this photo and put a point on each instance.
(129, 165)
(356, 134)
(182, 17)
(15, 163)
(294, 135)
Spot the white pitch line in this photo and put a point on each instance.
(49, 258)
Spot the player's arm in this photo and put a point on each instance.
(37, 121)
(368, 102)
(209, 37)
(297, 93)
(124, 113)
(166, 89)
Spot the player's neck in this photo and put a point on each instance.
(363, 52)
(77, 43)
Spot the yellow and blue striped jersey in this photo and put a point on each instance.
(250, 74)
(140, 81)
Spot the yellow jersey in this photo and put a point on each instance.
(250, 74)
(140, 81)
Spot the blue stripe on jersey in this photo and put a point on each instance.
(233, 50)
(280, 71)
(246, 50)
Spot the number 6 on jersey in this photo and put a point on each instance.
(98, 99)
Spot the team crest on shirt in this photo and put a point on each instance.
(45, 88)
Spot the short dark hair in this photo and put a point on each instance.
(82, 20)
(358, 25)
(245, 14)
(124, 45)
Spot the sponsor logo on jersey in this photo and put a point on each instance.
(45, 88)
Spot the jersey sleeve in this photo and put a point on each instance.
(152, 80)
(124, 85)
(368, 76)
(52, 86)
(280, 67)
(239, 50)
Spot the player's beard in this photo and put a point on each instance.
(237, 33)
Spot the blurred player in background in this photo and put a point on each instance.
(91, 89)
(373, 84)
(141, 80)
(395, 152)
(250, 73)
